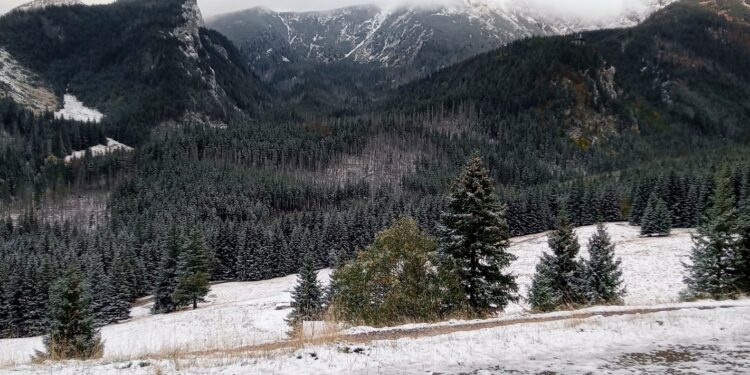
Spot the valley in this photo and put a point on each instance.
(383, 188)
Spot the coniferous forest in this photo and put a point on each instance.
(274, 187)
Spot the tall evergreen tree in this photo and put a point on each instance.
(4, 321)
(602, 271)
(610, 206)
(475, 236)
(639, 203)
(711, 270)
(742, 248)
(307, 296)
(192, 271)
(71, 333)
(657, 220)
(166, 280)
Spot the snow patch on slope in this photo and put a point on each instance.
(99, 150)
(73, 109)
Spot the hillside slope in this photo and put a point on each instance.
(679, 72)
(140, 62)
(253, 313)
(345, 57)
(241, 329)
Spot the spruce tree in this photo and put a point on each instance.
(475, 236)
(307, 296)
(657, 220)
(602, 271)
(166, 280)
(4, 321)
(610, 206)
(639, 202)
(545, 294)
(711, 270)
(71, 333)
(559, 280)
(742, 248)
(192, 271)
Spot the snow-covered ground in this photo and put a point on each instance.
(709, 339)
(235, 314)
(99, 150)
(246, 314)
(652, 267)
(73, 109)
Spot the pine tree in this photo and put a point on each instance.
(226, 246)
(602, 270)
(545, 294)
(71, 333)
(192, 271)
(656, 219)
(711, 271)
(4, 321)
(475, 235)
(166, 280)
(106, 304)
(307, 296)
(742, 248)
(639, 203)
(576, 205)
(559, 280)
(610, 206)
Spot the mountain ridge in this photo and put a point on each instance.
(395, 36)
(138, 61)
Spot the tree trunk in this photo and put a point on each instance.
(195, 303)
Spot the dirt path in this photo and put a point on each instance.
(419, 332)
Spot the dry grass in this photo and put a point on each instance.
(177, 359)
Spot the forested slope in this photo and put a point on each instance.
(141, 62)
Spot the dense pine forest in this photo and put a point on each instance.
(626, 125)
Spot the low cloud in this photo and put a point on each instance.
(582, 8)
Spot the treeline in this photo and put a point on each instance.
(256, 224)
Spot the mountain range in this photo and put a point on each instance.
(409, 41)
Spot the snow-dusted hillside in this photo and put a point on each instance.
(41, 4)
(235, 314)
(24, 86)
(242, 314)
(421, 37)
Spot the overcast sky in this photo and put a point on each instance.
(213, 7)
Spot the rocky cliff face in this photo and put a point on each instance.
(188, 32)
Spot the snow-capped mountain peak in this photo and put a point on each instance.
(41, 4)
(420, 38)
